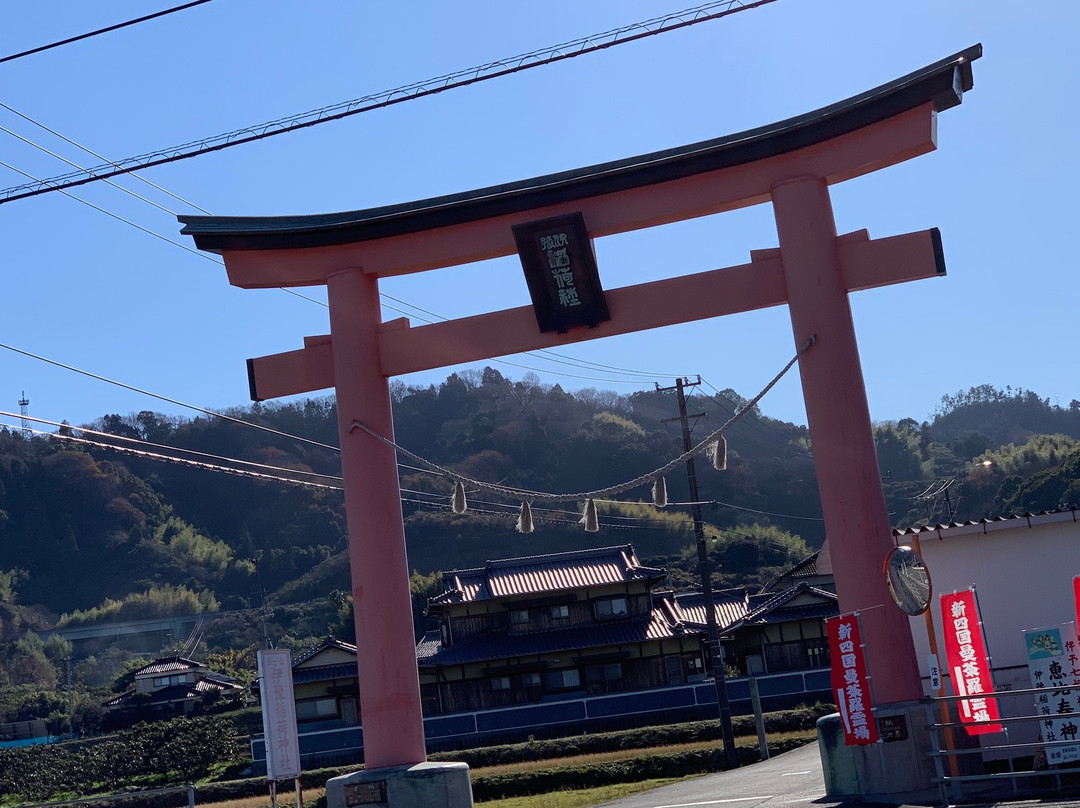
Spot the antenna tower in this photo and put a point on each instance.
(24, 413)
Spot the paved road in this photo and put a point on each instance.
(791, 779)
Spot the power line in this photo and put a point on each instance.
(88, 150)
(100, 31)
(420, 89)
(119, 218)
(166, 399)
(141, 442)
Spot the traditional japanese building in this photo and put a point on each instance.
(523, 630)
(173, 686)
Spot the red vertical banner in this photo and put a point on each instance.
(968, 662)
(1076, 599)
(850, 681)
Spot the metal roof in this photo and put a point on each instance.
(554, 572)
(942, 84)
(1032, 519)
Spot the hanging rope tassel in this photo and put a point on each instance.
(592, 524)
(659, 492)
(717, 453)
(524, 522)
(457, 502)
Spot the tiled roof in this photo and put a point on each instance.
(329, 642)
(771, 608)
(730, 605)
(554, 572)
(503, 645)
(807, 568)
(997, 522)
(169, 665)
(324, 673)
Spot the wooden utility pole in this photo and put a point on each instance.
(706, 575)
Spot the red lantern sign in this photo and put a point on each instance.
(968, 662)
(850, 680)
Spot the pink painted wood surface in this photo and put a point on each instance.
(882, 144)
(852, 501)
(382, 610)
(865, 264)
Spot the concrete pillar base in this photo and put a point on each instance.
(897, 770)
(423, 785)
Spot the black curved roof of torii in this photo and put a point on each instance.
(943, 83)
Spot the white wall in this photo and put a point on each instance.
(1022, 576)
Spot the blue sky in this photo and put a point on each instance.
(89, 291)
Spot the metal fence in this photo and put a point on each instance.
(1013, 763)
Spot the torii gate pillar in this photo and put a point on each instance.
(382, 611)
(838, 416)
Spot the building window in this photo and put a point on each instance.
(611, 608)
(519, 617)
(316, 709)
(560, 612)
(444, 633)
(567, 679)
(165, 681)
(500, 682)
(530, 679)
(611, 672)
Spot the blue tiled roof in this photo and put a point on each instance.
(323, 673)
(501, 644)
(554, 572)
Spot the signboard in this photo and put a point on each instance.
(1055, 672)
(560, 269)
(278, 715)
(850, 681)
(968, 662)
(935, 674)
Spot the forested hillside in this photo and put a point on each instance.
(95, 525)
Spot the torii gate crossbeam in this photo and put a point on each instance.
(791, 164)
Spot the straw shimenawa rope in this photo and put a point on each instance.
(714, 444)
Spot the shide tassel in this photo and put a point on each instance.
(457, 502)
(717, 453)
(659, 492)
(524, 522)
(592, 524)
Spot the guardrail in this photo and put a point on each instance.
(966, 763)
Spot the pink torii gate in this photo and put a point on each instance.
(791, 164)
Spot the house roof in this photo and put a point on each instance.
(807, 568)
(326, 644)
(178, 692)
(767, 608)
(553, 572)
(175, 664)
(1030, 519)
(729, 606)
(500, 644)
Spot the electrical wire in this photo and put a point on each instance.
(100, 31)
(119, 218)
(133, 174)
(409, 92)
(168, 400)
(63, 159)
(141, 442)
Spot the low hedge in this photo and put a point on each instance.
(795, 720)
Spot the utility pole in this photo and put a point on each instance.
(71, 698)
(706, 576)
